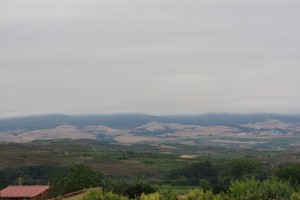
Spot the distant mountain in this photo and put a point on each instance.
(231, 130)
(233, 120)
(129, 121)
(52, 121)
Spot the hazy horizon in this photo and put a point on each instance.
(154, 57)
(143, 114)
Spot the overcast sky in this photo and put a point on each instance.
(149, 56)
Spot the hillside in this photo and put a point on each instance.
(260, 131)
(125, 121)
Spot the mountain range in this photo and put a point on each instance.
(133, 128)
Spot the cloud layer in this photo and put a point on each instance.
(151, 56)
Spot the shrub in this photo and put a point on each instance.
(97, 194)
(170, 195)
(153, 196)
(112, 196)
(260, 190)
(137, 189)
(201, 195)
(204, 185)
(92, 194)
(295, 196)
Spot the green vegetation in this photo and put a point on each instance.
(290, 173)
(192, 173)
(97, 194)
(28, 175)
(189, 162)
(132, 190)
(75, 178)
(254, 189)
(250, 189)
(147, 172)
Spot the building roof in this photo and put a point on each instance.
(23, 191)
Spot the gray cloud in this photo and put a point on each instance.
(159, 57)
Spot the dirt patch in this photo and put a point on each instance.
(187, 156)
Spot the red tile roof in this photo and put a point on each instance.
(23, 190)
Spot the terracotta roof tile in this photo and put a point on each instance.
(23, 190)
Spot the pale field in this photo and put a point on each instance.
(177, 131)
(274, 124)
(105, 129)
(172, 132)
(160, 146)
(60, 132)
(204, 131)
(160, 126)
(186, 156)
(121, 136)
(129, 138)
(236, 142)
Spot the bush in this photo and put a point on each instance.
(92, 194)
(204, 185)
(201, 195)
(153, 196)
(170, 195)
(295, 196)
(97, 194)
(260, 190)
(112, 196)
(137, 189)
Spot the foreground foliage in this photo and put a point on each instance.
(239, 178)
(250, 189)
(260, 190)
(97, 194)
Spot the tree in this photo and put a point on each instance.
(245, 168)
(204, 185)
(75, 178)
(136, 189)
(192, 173)
(290, 173)
(242, 168)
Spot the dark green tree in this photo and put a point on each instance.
(192, 173)
(75, 178)
(290, 173)
(28, 175)
(136, 189)
(242, 168)
(132, 190)
(246, 168)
